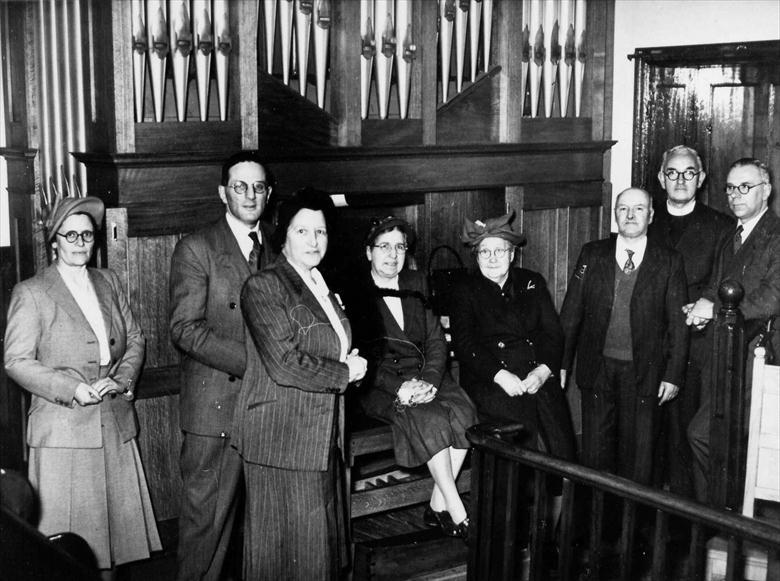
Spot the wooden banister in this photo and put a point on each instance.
(501, 467)
(728, 428)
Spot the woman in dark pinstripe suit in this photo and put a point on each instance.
(290, 408)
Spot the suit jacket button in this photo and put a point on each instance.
(395, 359)
(399, 373)
(232, 305)
(501, 345)
(223, 435)
(231, 378)
(112, 342)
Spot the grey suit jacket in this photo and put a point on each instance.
(290, 401)
(50, 349)
(207, 273)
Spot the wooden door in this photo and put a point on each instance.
(722, 100)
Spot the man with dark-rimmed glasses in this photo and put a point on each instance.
(686, 224)
(208, 270)
(750, 255)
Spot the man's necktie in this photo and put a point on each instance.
(254, 255)
(629, 266)
(738, 239)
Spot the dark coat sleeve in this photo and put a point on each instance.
(677, 332)
(573, 309)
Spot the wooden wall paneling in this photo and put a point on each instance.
(148, 270)
(450, 209)
(113, 89)
(288, 120)
(345, 72)
(159, 442)
(597, 89)
(17, 21)
(471, 116)
(731, 137)
(136, 181)
(427, 56)
(772, 154)
(244, 62)
(539, 252)
(25, 237)
(507, 50)
(12, 404)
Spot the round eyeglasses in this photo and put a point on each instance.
(71, 236)
(241, 188)
(486, 253)
(741, 189)
(687, 175)
(386, 247)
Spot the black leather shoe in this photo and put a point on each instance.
(442, 519)
(463, 530)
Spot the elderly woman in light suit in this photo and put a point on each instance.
(290, 408)
(72, 342)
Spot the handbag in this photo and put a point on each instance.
(441, 281)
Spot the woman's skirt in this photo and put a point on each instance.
(99, 494)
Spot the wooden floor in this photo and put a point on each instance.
(393, 546)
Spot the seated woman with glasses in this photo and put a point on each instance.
(508, 339)
(406, 384)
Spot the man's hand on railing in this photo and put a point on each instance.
(667, 392)
(699, 313)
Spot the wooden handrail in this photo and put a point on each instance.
(762, 533)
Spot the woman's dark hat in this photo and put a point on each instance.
(474, 232)
(65, 207)
(379, 225)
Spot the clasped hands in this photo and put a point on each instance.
(357, 366)
(415, 392)
(87, 394)
(514, 386)
(698, 314)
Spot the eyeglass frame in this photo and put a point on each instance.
(265, 192)
(736, 191)
(679, 173)
(386, 247)
(76, 235)
(486, 253)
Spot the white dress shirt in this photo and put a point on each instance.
(77, 280)
(241, 232)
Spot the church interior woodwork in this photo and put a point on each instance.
(435, 111)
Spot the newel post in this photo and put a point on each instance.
(728, 440)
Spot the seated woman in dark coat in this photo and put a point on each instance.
(509, 341)
(406, 384)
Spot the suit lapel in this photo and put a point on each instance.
(648, 269)
(604, 270)
(62, 296)
(105, 298)
(229, 255)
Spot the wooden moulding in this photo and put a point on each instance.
(172, 193)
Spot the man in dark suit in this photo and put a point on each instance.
(750, 255)
(620, 318)
(208, 270)
(693, 229)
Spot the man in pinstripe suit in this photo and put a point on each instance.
(208, 269)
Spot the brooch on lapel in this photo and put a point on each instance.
(580, 272)
(531, 285)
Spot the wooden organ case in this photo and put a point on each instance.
(433, 110)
